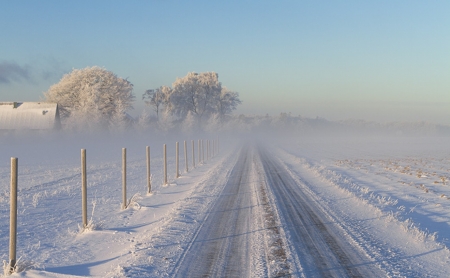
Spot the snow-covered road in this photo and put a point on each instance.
(226, 243)
(301, 209)
(314, 240)
(262, 224)
(232, 229)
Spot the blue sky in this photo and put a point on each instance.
(372, 60)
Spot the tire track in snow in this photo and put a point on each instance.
(319, 251)
(240, 235)
(220, 247)
(390, 258)
(160, 252)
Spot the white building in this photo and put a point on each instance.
(29, 116)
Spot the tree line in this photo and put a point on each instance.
(195, 97)
(95, 97)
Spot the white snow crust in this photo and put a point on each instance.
(388, 196)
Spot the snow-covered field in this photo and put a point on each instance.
(389, 196)
(49, 200)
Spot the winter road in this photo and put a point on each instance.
(263, 225)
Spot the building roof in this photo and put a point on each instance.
(29, 115)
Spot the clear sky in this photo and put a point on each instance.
(372, 60)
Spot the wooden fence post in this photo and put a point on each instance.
(199, 152)
(186, 157)
(149, 181)
(203, 152)
(83, 188)
(124, 178)
(13, 215)
(177, 160)
(193, 154)
(165, 163)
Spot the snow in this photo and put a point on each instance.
(50, 201)
(389, 197)
(29, 115)
(400, 219)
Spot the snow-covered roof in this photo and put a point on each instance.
(29, 115)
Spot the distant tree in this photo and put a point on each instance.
(202, 95)
(193, 99)
(227, 102)
(166, 122)
(144, 121)
(94, 92)
(119, 121)
(196, 93)
(157, 98)
(189, 123)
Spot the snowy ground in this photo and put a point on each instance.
(383, 209)
(49, 201)
(387, 197)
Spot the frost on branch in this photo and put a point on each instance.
(193, 99)
(158, 99)
(92, 96)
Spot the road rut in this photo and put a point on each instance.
(244, 232)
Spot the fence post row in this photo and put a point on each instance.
(83, 188)
(13, 215)
(14, 179)
(149, 181)
(124, 178)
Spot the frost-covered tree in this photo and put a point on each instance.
(166, 122)
(119, 120)
(203, 95)
(92, 92)
(157, 98)
(227, 102)
(144, 121)
(196, 93)
(193, 99)
(189, 124)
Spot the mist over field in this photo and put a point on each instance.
(225, 139)
(393, 176)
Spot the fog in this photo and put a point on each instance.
(317, 137)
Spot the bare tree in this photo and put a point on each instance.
(157, 98)
(227, 102)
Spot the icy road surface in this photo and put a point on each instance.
(241, 234)
(274, 219)
(316, 242)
